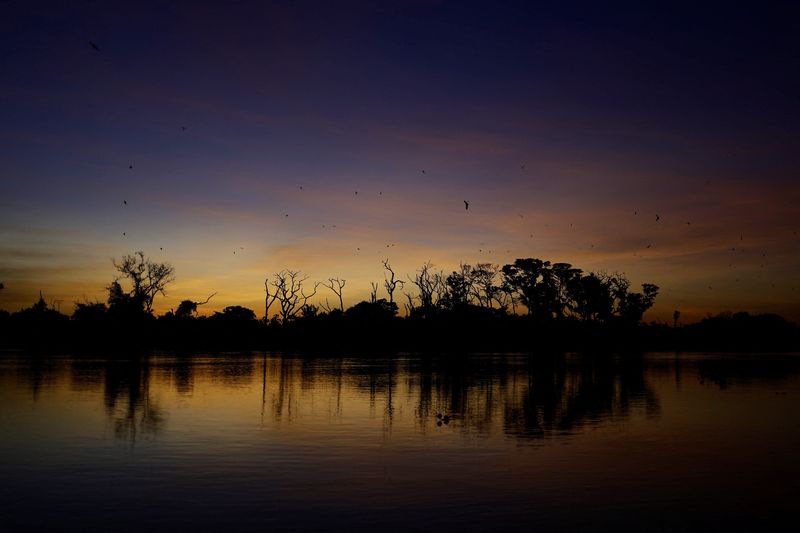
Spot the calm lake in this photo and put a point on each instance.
(265, 442)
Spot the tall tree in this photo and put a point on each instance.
(389, 280)
(531, 280)
(288, 291)
(187, 308)
(336, 286)
(147, 279)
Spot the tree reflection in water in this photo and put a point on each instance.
(527, 397)
(128, 401)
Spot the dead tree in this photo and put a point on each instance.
(389, 280)
(410, 306)
(325, 306)
(147, 278)
(337, 287)
(373, 294)
(268, 300)
(288, 290)
(429, 284)
(188, 308)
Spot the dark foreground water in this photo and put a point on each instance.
(255, 442)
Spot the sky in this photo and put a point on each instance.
(657, 139)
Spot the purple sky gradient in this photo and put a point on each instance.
(685, 112)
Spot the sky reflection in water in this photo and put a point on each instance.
(267, 441)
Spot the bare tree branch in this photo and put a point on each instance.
(389, 280)
(336, 286)
(147, 278)
(373, 295)
(289, 293)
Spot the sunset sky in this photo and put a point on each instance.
(567, 126)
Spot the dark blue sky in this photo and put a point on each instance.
(687, 110)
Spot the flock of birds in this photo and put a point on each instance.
(444, 419)
(390, 245)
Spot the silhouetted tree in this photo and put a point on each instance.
(288, 291)
(590, 298)
(146, 277)
(676, 315)
(187, 308)
(532, 281)
(458, 287)
(389, 280)
(39, 319)
(236, 313)
(636, 304)
(38, 307)
(630, 306)
(309, 311)
(482, 285)
(373, 293)
(371, 312)
(563, 274)
(89, 311)
(431, 286)
(122, 304)
(336, 286)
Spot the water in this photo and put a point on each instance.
(257, 442)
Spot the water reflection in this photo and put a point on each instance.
(524, 396)
(266, 441)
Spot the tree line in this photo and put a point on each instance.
(530, 303)
(535, 287)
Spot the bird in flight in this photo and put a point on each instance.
(522, 167)
(183, 128)
(649, 245)
(130, 167)
(161, 248)
(125, 202)
(356, 193)
(123, 233)
(423, 171)
(466, 205)
(94, 46)
(657, 217)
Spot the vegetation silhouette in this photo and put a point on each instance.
(528, 305)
